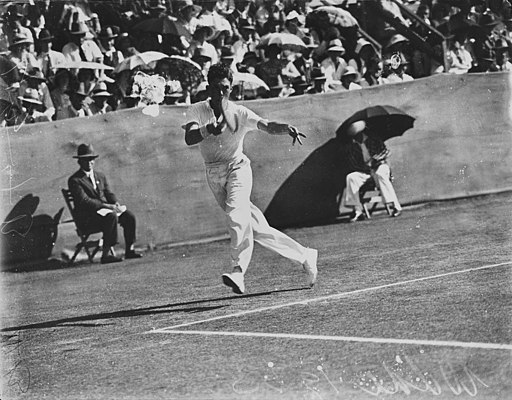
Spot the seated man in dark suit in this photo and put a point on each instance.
(367, 157)
(91, 193)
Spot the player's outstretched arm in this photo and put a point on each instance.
(277, 128)
(195, 133)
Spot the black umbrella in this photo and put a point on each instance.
(383, 121)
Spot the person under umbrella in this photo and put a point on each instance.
(111, 56)
(20, 54)
(367, 156)
(32, 107)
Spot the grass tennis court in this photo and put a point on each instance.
(415, 307)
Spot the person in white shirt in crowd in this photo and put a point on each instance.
(46, 56)
(460, 59)
(200, 40)
(80, 48)
(186, 12)
(20, 54)
(393, 70)
(100, 96)
(247, 42)
(219, 127)
(350, 79)
(334, 65)
(111, 56)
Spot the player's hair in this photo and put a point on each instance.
(218, 72)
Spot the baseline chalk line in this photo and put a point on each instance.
(329, 297)
(438, 343)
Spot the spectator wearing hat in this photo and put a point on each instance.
(156, 8)
(334, 65)
(111, 56)
(292, 24)
(202, 57)
(243, 12)
(91, 192)
(80, 49)
(35, 79)
(249, 63)
(200, 40)
(483, 46)
(100, 96)
(275, 71)
(20, 54)
(502, 55)
(47, 57)
(210, 17)
(350, 78)
(79, 106)
(186, 12)
(13, 26)
(32, 107)
(247, 41)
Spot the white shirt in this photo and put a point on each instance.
(90, 175)
(91, 51)
(227, 146)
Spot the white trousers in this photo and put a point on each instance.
(231, 185)
(381, 176)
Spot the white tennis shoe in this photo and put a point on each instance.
(235, 281)
(310, 266)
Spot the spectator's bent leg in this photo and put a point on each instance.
(381, 176)
(354, 182)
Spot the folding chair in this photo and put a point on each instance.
(91, 247)
(370, 197)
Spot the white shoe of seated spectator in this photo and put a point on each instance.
(310, 266)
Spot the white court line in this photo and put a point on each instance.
(442, 343)
(330, 297)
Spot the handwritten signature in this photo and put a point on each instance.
(18, 375)
(402, 376)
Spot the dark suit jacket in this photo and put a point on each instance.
(87, 199)
(377, 150)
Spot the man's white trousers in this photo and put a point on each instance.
(381, 176)
(231, 185)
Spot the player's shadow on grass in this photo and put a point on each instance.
(310, 195)
(139, 312)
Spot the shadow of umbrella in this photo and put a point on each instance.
(309, 196)
(26, 237)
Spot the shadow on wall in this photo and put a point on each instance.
(28, 237)
(310, 195)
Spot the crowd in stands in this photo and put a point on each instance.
(64, 59)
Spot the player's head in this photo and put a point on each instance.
(220, 80)
(218, 72)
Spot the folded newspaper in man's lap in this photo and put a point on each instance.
(105, 211)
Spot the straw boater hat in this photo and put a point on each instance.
(106, 33)
(19, 39)
(85, 151)
(101, 90)
(350, 71)
(30, 96)
(45, 36)
(36, 74)
(336, 45)
(181, 5)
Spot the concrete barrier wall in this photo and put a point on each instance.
(460, 146)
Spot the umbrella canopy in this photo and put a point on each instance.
(188, 72)
(285, 41)
(249, 81)
(164, 25)
(383, 121)
(140, 60)
(83, 65)
(333, 16)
